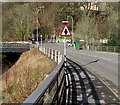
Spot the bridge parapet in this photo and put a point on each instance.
(15, 44)
(6, 47)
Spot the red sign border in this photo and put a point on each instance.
(68, 30)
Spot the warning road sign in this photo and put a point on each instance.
(65, 31)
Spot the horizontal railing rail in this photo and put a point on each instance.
(102, 48)
(51, 90)
(14, 45)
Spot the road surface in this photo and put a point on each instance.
(103, 63)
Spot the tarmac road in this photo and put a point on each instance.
(103, 63)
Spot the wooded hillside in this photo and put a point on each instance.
(91, 21)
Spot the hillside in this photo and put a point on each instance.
(23, 77)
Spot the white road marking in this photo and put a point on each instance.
(99, 87)
(102, 101)
(103, 96)
(105, 58)
(107, 86)
(93, 56)
(107, 52)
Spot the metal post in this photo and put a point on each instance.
(56, 55)
(43, 50)
(59, 59)
(48, 52)
(52, 54)
(107, 48)
(114, 49)
(38, 9)
(65, 50)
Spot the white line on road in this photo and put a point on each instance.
(106, 85)
(91, 55)
(105, 58)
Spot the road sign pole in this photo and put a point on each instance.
(65, 32)
(65, 50)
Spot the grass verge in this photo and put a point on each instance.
(23, 77)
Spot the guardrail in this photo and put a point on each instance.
(15, 45)
(52, 54)
(51, 90)
(103, 48)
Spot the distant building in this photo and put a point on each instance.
(104, 40)
(94, 6)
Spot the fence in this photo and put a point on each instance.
(14, 45)
(52, 89)
(103, 48)
(53, 54)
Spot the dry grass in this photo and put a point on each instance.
(23, 77)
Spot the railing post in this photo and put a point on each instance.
(114, 49)
(52, 54)
(101, 48)
(59, 57)
(57, 90)
(107, 48)
(48, 52)
(55, 55)
(40, 49)
(44, 50)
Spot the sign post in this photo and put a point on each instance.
(65, 32)
(65, 49)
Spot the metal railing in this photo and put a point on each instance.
(52, 54)
(102, 48)
(51, 90)
(14, 45)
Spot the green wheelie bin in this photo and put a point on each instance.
(77, 44)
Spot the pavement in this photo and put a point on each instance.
(83, 87)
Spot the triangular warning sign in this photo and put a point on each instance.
(65, 31)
